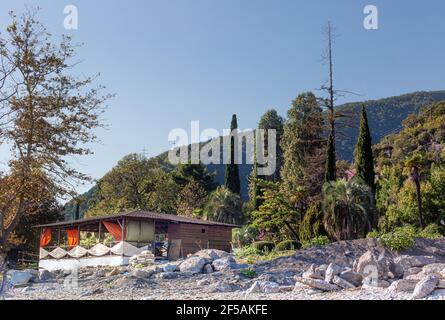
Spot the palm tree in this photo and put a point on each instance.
(224, 206)
(348, 209)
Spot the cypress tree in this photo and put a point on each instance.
(231, 179)
(363, 158)
(330, 168)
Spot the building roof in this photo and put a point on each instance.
(138, 215)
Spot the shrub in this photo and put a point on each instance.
(287, 245)
(373, 234)
(399, 239)
(264, 246)
(317, 241)
(244, 236)
(432, 231)
(248, 273)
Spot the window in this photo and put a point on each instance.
(203, 230)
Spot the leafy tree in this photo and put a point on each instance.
(364, 159)
(276, 215)
(224, 206)
(348, 209)
(401, 207)
(232, 180)
(48, 115)
(272, 121)
(193, 196)
(312, 225)
(135, 183)
(184, 174)
(303, 144)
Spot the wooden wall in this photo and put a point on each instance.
(196, 237)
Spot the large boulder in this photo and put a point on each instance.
(20, 278)
(434, 268)
(141, 274)
(222, 264)
(402, 285)
(169, 267)
(318, 284)
(411, 272)
(212, 254)
(332, 271)
(342, 283)
(313, 273)
(405, 262)
(371, 265)
(352, 277)
(425, 287)
(263, 287)
(193, 265)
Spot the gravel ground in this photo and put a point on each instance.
(126, 288)
(98, 284)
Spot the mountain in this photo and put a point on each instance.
(385, 117)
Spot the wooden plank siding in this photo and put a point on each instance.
(197, 237)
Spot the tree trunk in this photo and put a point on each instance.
(292, 231)
(416, 179)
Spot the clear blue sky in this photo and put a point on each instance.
(173, 61)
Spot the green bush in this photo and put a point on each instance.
(317, 241)
(287, 245)
(399, 239)
(244, 236)
(432, 231)
(263, 246)
(373, 234)
(248, 273)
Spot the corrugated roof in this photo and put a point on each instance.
(138, 214)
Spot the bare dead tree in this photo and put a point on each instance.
(336, 119)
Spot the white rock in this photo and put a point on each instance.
(332, 271)
(212, 254)
(342, 283)
(402, 285)
(170, 267)
(368, 264)
(411, 272)
(406, 262)
(352, 277)
(142, 274)
(193, 265)
(318, 284)
(425, 287)
(313, 273)
(222, 264)
(435, 268)
(263, 287)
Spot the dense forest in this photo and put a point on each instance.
(385, 117)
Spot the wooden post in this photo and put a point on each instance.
(100, 229)
(123, 235)
(78, 235)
